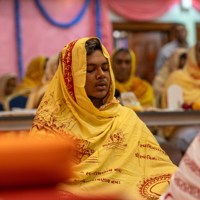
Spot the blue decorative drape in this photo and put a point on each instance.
(59, 24)
(18, 39)
(98, 19)
(41, 8)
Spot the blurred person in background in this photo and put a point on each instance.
(32, 79)
(34, 74)
(188, 79)
(38, 92)
(175, 61)
(124, 67)
(8, 83)
(115, 151)
(180, 41)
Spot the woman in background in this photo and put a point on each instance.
(176, 61)
(38, 92)
(34, 74)
(8, 83)
(32, 78)
(188, 79)
(124, 66)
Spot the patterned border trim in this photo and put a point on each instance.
(68, 70)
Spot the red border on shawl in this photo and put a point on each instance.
(68, 69)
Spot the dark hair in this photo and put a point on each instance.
(183, 55)
(126, 50)
(92, 45)
(121, 50)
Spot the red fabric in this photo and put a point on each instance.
(141, 10)
(196, 4)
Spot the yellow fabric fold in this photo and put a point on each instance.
(115, 150)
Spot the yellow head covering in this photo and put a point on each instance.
(188, 79)
(34, 74)
(114, 148)
(141, 88)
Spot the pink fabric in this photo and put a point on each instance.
(39, 37)
(7, 39)
(196, 4)
(185, 183)
(141, 9)
(42, 38)
(106, 27)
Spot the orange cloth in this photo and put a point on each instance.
(27, 161)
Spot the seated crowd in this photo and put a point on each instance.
(92, 100)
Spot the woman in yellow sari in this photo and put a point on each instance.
(188, 79)
(34, 74)
(115, 150)
(175, 61)
(124, 67)
(38, 92)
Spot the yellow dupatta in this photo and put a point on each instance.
(38, 92)
(33, 75)
(188, 79)
(115, 150)
(141, 88)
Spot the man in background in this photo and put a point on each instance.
(180, 40)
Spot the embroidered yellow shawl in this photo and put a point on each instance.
(141, 88)
(188, 79)
(114, 147)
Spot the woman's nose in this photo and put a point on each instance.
(100, 73)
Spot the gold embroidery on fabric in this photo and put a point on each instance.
(116, 140)
(146, 188)
(49, 120)
(147, 157)
(151, 147)
(83, 151)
